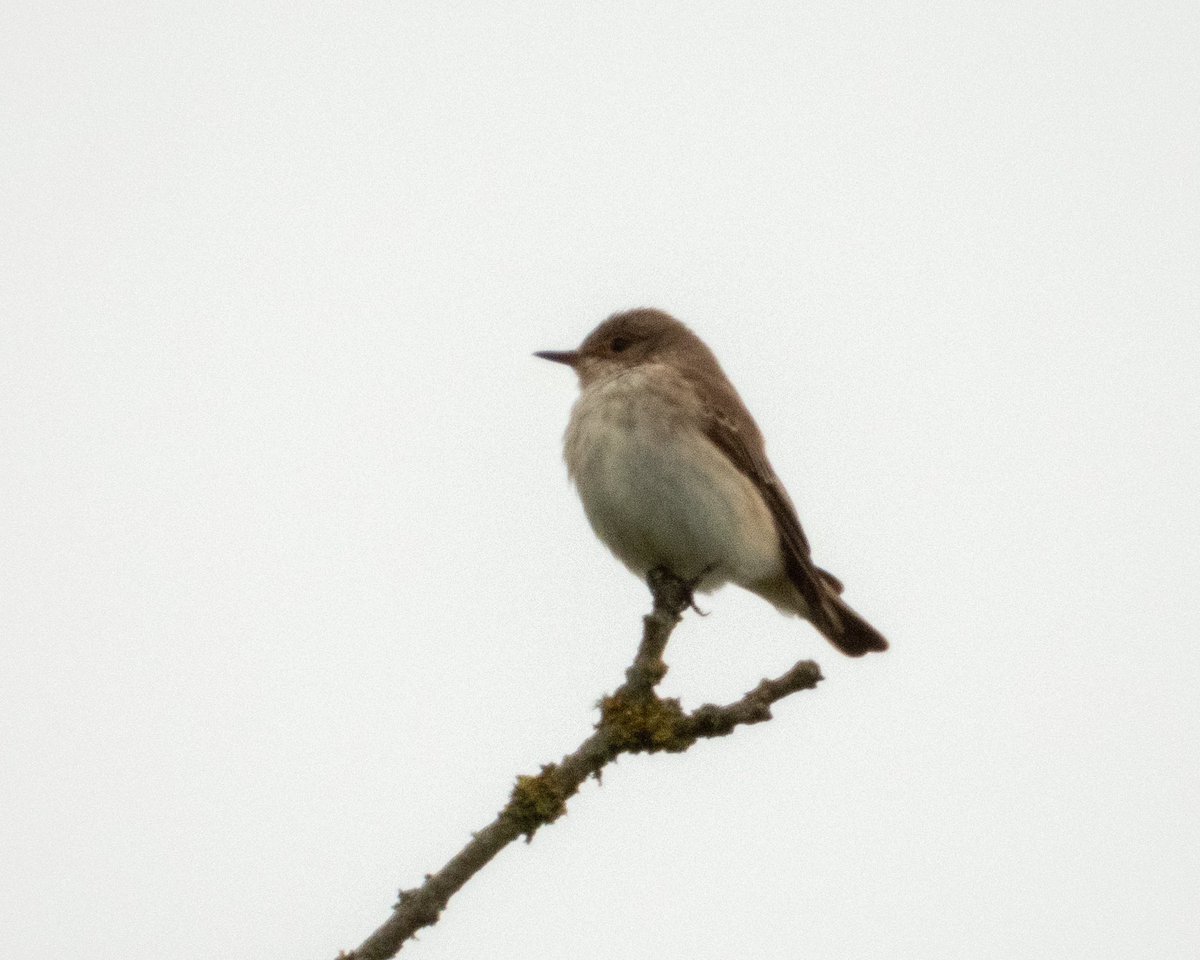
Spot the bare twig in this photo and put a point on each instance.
(633, 719)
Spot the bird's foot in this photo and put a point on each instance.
(673, 592)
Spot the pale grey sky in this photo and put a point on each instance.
(292, 583)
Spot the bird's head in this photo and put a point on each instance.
(630, 339)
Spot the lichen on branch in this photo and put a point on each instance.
(633, 719)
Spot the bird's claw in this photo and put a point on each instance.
(675, 592)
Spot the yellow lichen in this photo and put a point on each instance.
(639, 724)
(538, 799)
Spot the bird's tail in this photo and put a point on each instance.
(828, 612)
(844, 628)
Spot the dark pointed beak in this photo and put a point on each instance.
(569, 357)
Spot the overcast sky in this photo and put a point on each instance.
(292, 582)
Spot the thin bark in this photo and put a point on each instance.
(633, 719)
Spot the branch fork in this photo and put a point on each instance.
(633, 719)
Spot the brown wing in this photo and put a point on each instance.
(730, 427)
(831, 581)
(747, 454)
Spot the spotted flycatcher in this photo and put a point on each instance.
(673, 474)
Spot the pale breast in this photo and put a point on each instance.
(656, 491)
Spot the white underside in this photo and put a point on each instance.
(658, 492)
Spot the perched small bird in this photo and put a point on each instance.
(673, 474)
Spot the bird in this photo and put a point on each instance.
(673, 474)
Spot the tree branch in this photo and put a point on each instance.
(633, 719)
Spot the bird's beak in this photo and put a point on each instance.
(569, 357)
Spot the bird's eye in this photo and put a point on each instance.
(619, 344)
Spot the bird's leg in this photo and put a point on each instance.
(673, 592)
